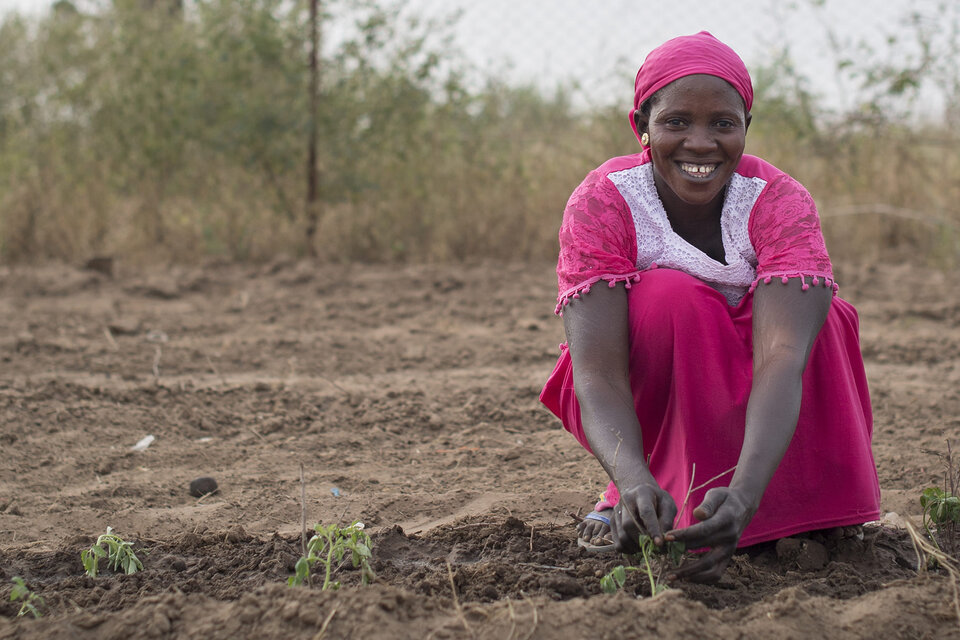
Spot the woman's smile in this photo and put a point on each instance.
(698, 171)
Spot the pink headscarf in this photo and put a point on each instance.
(685, 56)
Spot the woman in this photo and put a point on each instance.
(703, 332)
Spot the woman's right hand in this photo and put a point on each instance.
(644, 508)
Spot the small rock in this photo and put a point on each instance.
(805, 555)
(100, 264)
(563, 586)
(813, 557)
(235, 535)
(202, 486)
(125, 326)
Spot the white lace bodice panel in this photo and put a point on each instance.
(658, 243)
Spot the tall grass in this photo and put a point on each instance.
(152, 134)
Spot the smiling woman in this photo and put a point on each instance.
(715, 343)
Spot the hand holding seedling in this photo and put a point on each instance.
(644, 509)
(723, 515)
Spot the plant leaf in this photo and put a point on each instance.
(607, 584)
(19, 590)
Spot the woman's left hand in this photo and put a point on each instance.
(723, 515)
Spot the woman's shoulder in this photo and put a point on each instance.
(598, 177)
(622, 163)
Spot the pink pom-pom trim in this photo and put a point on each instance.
(575, 293)
(816, 279)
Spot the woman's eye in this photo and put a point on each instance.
(675, 122)
(725, 124)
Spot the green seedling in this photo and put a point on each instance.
(29, 601)
(672, 551)
(331, 543)
(119, 555)
(941, 507)
(941, 514)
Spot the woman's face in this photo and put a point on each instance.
(697, 127)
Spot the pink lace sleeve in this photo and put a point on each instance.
(785, 233)
(597, 240)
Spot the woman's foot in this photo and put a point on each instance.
(593, 532)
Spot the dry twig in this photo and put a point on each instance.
(109, 336)
(303, 514)
(326, 622)
(536, 618)
(513, 620)
(924, 550)
(690, 491)
(456, 602)
(549, 567)
(156, 362)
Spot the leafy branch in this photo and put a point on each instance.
(330, 543)
(119, 555)
(941, 507)
(617, 577)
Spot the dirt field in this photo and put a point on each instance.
(410, 396)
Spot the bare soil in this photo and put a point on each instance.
(410, 396)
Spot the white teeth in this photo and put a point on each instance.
(698, 169)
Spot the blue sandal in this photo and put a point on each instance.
(606, 545)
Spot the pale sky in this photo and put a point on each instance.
(599, 44)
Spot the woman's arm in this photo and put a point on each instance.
(786, 321)
(598, 337)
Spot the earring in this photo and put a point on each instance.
(645, 139)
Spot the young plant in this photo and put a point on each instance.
(30, 602)
(941, 508)
(119, 555)
(672, 551)
(330, 543)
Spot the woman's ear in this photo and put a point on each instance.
(747, 121)
(642, 121)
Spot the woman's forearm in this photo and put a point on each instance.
(771, 420)
(786, 321)
(610, 424)
(597, 335)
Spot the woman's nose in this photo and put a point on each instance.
(700, 139)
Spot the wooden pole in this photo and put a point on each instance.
(313, 173)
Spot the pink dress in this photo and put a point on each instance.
(691, 349)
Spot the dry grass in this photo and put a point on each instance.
(156, 138)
